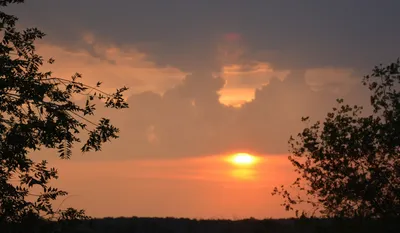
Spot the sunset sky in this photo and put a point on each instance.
(208, 79)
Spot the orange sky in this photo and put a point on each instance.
(136, 175)
(205, 79)
(203, 187)
(170, 159)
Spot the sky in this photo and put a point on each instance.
(207, 79)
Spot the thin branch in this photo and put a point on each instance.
(91, 122)
(85, 85)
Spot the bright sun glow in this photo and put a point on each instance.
(243, 159)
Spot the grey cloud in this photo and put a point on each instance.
(185, 34)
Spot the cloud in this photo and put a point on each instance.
(245, 107)
(189, 119)
(194, 117)
(338, 81)
(189, 36)
(210, 78)
(112, 66)
(241, 80)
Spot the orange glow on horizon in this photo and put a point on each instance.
(210, 185)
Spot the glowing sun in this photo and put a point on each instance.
(243, 159)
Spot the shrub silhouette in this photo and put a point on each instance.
(349, 165)
(37, 111)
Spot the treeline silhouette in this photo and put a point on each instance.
(184, 225)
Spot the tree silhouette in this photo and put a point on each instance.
(37, 111)
(349, 165)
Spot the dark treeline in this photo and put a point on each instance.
(183, 225)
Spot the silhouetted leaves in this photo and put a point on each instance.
(37, 111)
(349, 164)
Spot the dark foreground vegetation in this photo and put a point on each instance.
(183, 225)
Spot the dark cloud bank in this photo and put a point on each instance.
(289, 34)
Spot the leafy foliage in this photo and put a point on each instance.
(349, 165)
(37, 111)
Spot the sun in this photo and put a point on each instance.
(243, 159)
